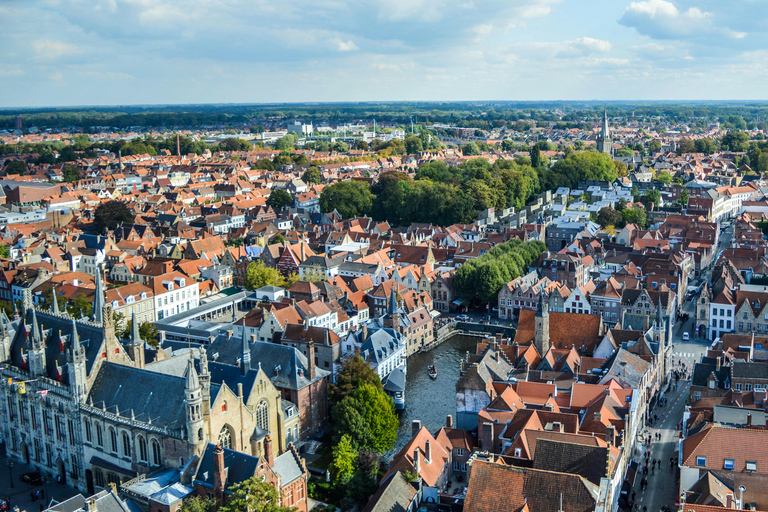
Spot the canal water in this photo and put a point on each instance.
(432, 400)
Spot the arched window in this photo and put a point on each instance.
(142, 449)
(87, 425)
(225, 437)
(99, 438)
(155, 453)
(262, 415)
(126, 445)
(113, 439)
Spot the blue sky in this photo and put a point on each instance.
(106, 52)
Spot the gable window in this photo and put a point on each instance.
(728, 464)
(701, 461)
(751, 465)
(459, 452)
(518, 452)
(737, 386)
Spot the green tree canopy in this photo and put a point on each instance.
(353, 373)
(110, 214)
(344, 461)
(312, 175)
(258, 275)
(350, 198)
(607, 216)
(253, 495)
(279, 199)
(15, 167)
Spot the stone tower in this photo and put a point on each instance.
(194, 404)
(541, 321)
(205, 381)
(604, 140)
(76, 366)
(136, 344)
(392, 320)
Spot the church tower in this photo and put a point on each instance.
(205, 381)
(136, 345)
(541, 321)
(194, 404)
(604, 140)
(76, 366)
(392, 320)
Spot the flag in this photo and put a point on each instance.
(21, 387)
(10, 381)
(43, 393)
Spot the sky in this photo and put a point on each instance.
(120, 52)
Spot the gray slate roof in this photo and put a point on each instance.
(239, 467)
(288, 467)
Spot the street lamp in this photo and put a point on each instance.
(10, 471)
(741, 496)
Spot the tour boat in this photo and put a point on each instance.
(432, 371)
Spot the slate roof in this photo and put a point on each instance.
(745, 370)
(147, 394)
(589, 462)
(394, 494)
(288, 466)
(702, 371)
(238, 466)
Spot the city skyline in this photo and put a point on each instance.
(110, 52)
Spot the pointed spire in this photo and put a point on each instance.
(55, 304)
(35, 339)
(392, 302)
(98, 300)
(245, 353)
(135, 336)
(542, 308)
(191, 378)
(75, 340)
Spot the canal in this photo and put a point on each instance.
(432, 400)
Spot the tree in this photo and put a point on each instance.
(535, 156)
(349, 198)
(149, 333)
(198, 504)
(664, 177)
(686, 146)
(340, 147)
(70, 173)
(378, 411)
(258, 275)
(279, 199)
(654, 146)
(625, 152)
(413, 145)
(312, 175)
(81, 306)
(635, 215)
(344, 461)
(607, 216)
(353, 373)
(471, 149)
(653, 197)
(233, 144)
(684, 197)
(5, 252)
(253, 495)
(110, 214)
(15, 167)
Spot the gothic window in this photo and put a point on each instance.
(155, 452)
(262, 415)
(99, 438)
(98, 477)
(126, 445)
(87, 430)
(142, 449)
(113, 439)
(225, 437)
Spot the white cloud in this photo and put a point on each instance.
(583, 46)
(48, 49)
(660, 19)
(344, 46)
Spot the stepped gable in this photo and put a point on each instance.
(142, 394)
(55, 331)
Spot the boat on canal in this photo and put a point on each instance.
(432, 371)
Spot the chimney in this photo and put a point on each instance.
(610, 435)
(749, 419)
(558, 427)
(240, 389)
(449, 421)
(253, 338)
(730, 502)
(598, 417)
(311, 360)
(416, 462)
(229, 334)
(717, 367)
(365, 332)
(219, 473)
(415, 427)
(161, 336)
(486, 440)
(90, 506)
(428, 455)
(268, 451)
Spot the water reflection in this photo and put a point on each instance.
(432, 400)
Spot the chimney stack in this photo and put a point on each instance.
(311, 360)
(416, 462)
(428, 455)
(365, 332)
(718, 363)
(486, 440)
(558, 427)
(610, 435)
(449, 421)
(415, 427)
(219, 474)
(268, 454)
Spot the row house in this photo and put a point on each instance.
(565, 268)
(443, 298)
(174, 293)
(606, 300)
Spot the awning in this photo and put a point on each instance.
(458, 302)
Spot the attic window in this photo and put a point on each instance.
(728, 464)
(701, 461)
(751, 465)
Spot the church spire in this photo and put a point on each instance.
(392, 302)
(98, 300)
(55, 302)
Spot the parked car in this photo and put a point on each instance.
(686, 336)
(463, 318)
(34, 478)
